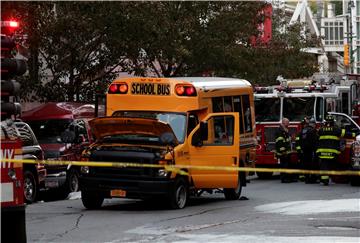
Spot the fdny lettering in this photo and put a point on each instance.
(150, 89)
(7, 154)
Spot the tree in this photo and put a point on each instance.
(77, 48)
(284, 55)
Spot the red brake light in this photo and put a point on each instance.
(113, 89)
(190, 91)
(180, 90)
(119, 88)
(123, 88)
(185, 90)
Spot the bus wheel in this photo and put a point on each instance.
(91, 200)
(233, 193)
(264, 175)
(179, 194)
(30, 187)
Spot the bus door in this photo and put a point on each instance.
(215, 142)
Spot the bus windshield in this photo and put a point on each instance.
(49, 131)
(267, 109)
(177, 121)
(296, 108)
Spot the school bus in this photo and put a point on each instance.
(178, 121)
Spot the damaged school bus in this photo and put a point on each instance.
(185, 122)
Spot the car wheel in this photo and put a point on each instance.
(233, 193)
(30, 187)
(179, 194)
(91, 200)
(73, 181)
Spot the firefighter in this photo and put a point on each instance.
(283, 149)
(329, 146)
(306, 142)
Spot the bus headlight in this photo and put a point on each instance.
(163, 173)
(85, 169)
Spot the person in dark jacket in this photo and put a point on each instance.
(283, 150)
(329, 146)
(306, 144)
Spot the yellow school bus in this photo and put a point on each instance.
(190, 121)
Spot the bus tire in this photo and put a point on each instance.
(91, 200)
(30, 187)
(179, 194)
(233, 193)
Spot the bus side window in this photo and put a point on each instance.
(247, 113)
(192, 123)
(237, 108)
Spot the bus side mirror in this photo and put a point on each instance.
(204, 135)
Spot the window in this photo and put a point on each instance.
(247, 113)
(319, 109)
(295, 109)
(238, 108)
(267, 109)
(220, 131)
(240, 104)
(334, 32)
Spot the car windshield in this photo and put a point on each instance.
(49, 131)
(267, 109)
(296, 108)
(177, 121)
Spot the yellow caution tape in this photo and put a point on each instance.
(179, 168)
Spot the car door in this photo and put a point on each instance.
(345, 122)
(220, 149)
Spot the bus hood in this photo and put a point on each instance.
(107, 126)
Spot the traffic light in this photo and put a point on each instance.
(10, 68)
(346, 55)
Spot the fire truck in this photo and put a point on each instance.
(12, 193)
(12, 187)
(295, 99)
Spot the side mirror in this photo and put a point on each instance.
(204, 135)
(67, 136)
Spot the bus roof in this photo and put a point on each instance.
(208, 83)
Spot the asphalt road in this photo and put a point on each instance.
(274, 212)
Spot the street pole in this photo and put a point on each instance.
(350, 37)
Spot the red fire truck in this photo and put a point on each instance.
(12, 193)
(296, 99)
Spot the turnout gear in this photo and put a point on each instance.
(329, 146)
(306, 147)
(283, 150)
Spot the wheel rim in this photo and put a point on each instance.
(74, 183)
(28, 189)
(181, 196)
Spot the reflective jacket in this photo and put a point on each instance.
(282, 142)
(329, 141)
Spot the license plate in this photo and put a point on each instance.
(118, 193)
(51, 184)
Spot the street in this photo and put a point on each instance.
(294, 212)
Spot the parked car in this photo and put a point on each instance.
(34, 174)
(49, 122)
(355, 161)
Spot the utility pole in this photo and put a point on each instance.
(350, 35)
